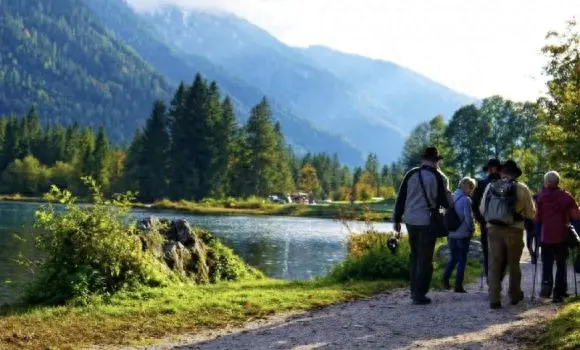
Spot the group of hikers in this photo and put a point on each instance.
(504, 208)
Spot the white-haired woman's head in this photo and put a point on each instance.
(468, 185)
(552, 179)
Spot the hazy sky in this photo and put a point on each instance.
(480, 47)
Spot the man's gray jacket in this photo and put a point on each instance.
(411, 203)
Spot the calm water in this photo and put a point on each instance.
(282, 247)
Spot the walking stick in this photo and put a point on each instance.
(482, 273)
(574, 272)
(537, 252)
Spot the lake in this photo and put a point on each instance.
(282, 247)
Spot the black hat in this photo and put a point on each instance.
(431, 153)
(492, 163)
(511, 167)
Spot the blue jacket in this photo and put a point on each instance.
(465, 212)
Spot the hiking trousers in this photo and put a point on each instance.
(559, 254)
(506, 245)
(484, 247)
(422, 243)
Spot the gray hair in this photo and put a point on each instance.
(468, 180)
(552, 178)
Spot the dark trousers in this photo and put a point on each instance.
(484, 248)
(459, 248)
(531, 237)
(559, 254)
(422, 250)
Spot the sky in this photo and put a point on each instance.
(478, 47)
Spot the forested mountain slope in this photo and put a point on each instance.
(255, 56)
(391, 87)
(374, 114)
(57, 55)
(177, 65)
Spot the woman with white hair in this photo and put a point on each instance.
(556, 210)
(459, 240)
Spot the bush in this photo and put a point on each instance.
(369, 258)
(223, 263)
(89, 250)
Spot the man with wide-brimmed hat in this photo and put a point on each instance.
(506, 203)
(423, 190)
(492, 169)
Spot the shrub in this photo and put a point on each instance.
(369, 258)
(89, 250)
(223, 263)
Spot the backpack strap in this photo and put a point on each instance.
(431, 208)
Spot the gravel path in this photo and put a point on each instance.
(390, 321)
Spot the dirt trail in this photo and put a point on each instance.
(390, 321)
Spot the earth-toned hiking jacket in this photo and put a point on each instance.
(411, 201)
(556, 209)
(525, 205)
(463, 209)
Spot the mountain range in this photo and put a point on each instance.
(120, 60)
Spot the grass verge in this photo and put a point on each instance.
(140, 316)
(251, 207)
(331, 211)
(564, 330)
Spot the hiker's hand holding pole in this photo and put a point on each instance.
(397, 228)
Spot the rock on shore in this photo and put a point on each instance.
(192, 253)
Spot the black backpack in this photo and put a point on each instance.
(452, 220)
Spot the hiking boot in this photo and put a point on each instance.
(518, 299)
(422, 301)
(546, 290)
(495, 306)
(459, 290)
(445, 284)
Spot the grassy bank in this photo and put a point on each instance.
(258, 207)
(564, 330)
(137, 317)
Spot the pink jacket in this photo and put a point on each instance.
(556, 209)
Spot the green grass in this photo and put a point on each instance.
(257, 207)
(253, 206)
(564, 330)
(141, 316)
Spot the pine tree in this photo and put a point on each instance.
(181, 161)
(152, 161)
(101, 159)
(262, 142)
(72, 143)
(190, 152)
(284, 180)
(372, 168)
(227, 146)
(214, 164)
(131, 171)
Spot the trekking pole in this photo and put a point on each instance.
(537, 252)
(574, 272)
(482, 273)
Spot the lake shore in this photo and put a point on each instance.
(324, 211)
